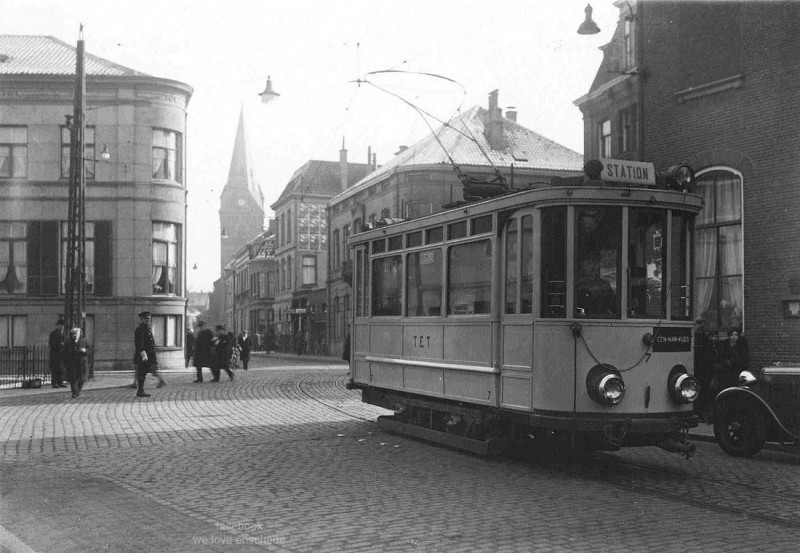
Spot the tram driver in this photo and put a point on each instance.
(593, 293)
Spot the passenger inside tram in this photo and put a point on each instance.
(593, 294)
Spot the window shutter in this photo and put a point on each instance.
(102, 258)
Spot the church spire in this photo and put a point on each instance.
(240, 175)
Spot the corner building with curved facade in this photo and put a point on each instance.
(135, 202)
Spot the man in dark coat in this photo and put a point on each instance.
(56, 341)
(145, 356)
(221, 355)
(245, 345)
(75, 350)
(203, 349)
(189, 346)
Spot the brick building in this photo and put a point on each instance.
(714, 85)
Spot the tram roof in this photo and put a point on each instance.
(556, 195)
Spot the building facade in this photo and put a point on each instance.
(726, 104)
(301, 251)
(135, 203)
(424, 178)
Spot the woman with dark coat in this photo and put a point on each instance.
(221, 354)
(203, 349)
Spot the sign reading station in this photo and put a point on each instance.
(633, 172)
(672, 339)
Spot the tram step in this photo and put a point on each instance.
(481, 447)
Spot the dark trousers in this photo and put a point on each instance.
(245, 361)
(77, 376)
(216, 371)
(141, 374)
(56, 369)
(199, 368)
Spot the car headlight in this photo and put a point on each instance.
(747, 379)
(605, 385)
(683, 387)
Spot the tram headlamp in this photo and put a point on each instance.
(683, 387)
(605, 385)
(680, 177)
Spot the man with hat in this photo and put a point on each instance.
(221, 354)
(75, 350)
(145, 355)
(203, 350)
(56, 341)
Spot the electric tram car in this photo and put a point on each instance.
(558, 313)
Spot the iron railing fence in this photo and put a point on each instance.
(20, 366)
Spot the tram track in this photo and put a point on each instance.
(338, 384)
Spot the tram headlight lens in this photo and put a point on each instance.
(605, 385)
(683, 387)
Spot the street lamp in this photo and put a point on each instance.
(588, 27)
(268, 95)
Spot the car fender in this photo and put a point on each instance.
(776, 432)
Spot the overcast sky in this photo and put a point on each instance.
(528, 49)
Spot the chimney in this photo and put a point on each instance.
(493, 125)
(401, 149)
(343, 166)
(511, 113)
(374, 161)
(369, 158)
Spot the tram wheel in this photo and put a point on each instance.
(739, 430)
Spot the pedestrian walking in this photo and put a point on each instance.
(245, 345)
(57, 341)
(203, 350)
(145, 355)
(75, 350)
(221, 354)
(232, 352)
(188, 345)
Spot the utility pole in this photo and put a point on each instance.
(75, 293)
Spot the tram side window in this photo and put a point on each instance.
(424, 284)
(469, 284)
(554, 262)
(598, 244)
(361, 285)
(647, 259)
(680, 276)
(511, 266)
(526, 270)
(386, 286)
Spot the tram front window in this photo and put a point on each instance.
(598, 241)
(646, 262)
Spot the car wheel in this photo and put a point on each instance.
(739, 430)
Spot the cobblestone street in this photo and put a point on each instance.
(287, 459)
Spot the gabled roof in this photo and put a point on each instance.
(46, 55)
(464, 140)
(322, 177)
(240, 175)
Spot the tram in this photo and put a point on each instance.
(558, 314)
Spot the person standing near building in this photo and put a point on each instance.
(75, 350)
(188, 352)
(56, 341)
(221, 355)
(245, 345)
(203, 348)
(145, 356)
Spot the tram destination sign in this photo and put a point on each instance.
(633, 172)
(672, 339)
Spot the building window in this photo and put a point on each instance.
(13, 331)
(13, 258)
(97, 255)
(166, 155)
(719, 251)
(43, 266)
(335, 251)
(337, 322)
(604, 138)
(288, 226)
(88, 152)
(345, 245)
(167, 330)
(628, 129)
(309, 270)
(628, 53)
(312, 227)
(289, 281)
(165, 258)
(13, 152)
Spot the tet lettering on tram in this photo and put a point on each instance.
(422, 342)
(633, 172)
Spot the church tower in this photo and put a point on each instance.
(241, 212)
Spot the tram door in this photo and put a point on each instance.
(520, 251)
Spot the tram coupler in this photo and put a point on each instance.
(674, 446)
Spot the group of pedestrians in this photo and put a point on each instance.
(218, 351)
(68, 358)
(717, 364)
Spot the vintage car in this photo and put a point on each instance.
(763, 408)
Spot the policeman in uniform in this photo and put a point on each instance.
(145, 356)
